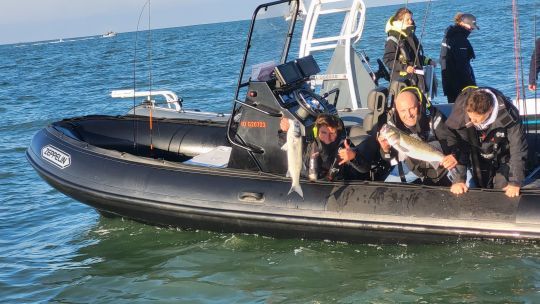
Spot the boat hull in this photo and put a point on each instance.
(162, 192)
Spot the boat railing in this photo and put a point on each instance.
(346, 69)
(173, 101)
(351, 31)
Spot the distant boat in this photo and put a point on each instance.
(109, 34)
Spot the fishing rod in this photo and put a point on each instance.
(533, 58)
(134, 74)
(423, 31)
(150, 76)
(519, 64)
(150, 104)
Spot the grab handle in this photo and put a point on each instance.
(247, 196)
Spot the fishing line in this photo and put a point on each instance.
(423, 31)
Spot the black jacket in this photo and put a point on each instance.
(358, 168)
(456, 55)
(503, 141)
(535, 63)
(403, 49)
(429, 128)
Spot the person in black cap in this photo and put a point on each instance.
(456, 55)
(535, 66)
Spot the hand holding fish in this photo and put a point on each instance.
(385, 146)
(449, 162)
(346, 154)
(284, 124)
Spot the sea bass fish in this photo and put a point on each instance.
(411, 146)
(293, 146)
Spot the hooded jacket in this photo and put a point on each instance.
(403, 49)
(502, 142)
(456, 55)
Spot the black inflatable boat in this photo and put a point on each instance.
(84, 160)
(229, 176)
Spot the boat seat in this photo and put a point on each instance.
(217, 157)
(393, 90)
(377, 108)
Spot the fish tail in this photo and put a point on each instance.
(297, 189)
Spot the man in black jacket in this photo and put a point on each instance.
(456, 55)
(534, 67)
(488, 122)
(413, 117)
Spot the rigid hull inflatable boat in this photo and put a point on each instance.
(98, 172)
(229, 174)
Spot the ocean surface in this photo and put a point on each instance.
(56, 250)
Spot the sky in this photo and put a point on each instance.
(38, 20)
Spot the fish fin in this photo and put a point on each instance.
(401, 156)
(435, 145)
(435, 164)
(284, 147)
(296, 189)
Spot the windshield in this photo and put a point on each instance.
(269, 41)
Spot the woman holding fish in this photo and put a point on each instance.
(327, 156)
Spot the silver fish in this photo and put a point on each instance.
(411, 146)
(293, 146)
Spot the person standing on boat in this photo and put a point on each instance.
(403, 53)
(414, 117)
(329, 155)
(456, 55)
(534, 66)
(496, 145)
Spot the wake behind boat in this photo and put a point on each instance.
(227, 172)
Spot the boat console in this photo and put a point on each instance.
(256, 124)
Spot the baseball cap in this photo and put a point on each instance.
(470, 19)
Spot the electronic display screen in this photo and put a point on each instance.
(288, 73)
(308, 66)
